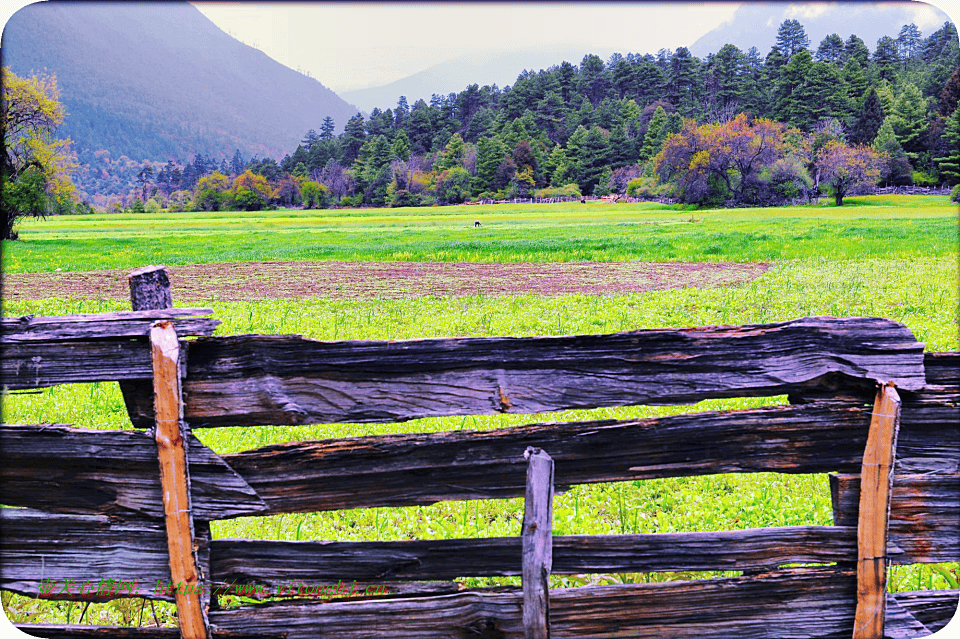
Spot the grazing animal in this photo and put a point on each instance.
(477, 223)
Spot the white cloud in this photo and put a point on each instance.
(808, 11)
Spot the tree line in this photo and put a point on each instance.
(888, 116)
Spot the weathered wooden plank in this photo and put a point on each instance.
(122, 324)
(411, 469)
(171, 434)
(72, 470)
(924, 514)
(40, 364)
(933, 608)
(274, 563)
(42, 551)
(290, 380)
(786, 605)
(876, 485)
(536, 546)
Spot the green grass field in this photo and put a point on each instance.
(876, 226)
(889, 257)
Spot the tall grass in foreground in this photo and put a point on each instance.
(921, 293)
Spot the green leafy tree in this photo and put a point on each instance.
(314, 195)
(210, 193)
(250, 191)
(35, 167)
(453, 185)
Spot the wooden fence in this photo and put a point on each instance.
(94, 509)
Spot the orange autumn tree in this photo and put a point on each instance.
(714, 163)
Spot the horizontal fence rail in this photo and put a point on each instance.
(91, 504)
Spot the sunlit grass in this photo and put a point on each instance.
(874, 226)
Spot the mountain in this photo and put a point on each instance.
(158, 81)
(454, 76)
(755, 24)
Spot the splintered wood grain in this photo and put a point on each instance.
(71, 555)
(924, 515)
(170, 436)
(291, 380)
(412, 469)
(876, 483)
(275, 563)
(73, 470)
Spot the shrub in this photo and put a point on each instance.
(567, 190)
(955, 194)
(352, 201)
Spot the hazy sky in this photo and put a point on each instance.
(356, 45)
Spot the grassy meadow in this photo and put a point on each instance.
(877, 226)
(889, 256)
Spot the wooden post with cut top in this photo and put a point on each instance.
(876, 485)
(537, 540)
(150, 289)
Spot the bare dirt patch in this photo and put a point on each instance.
(250, 281)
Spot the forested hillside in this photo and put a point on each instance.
(158, 81)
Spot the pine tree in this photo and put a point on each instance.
(949, 164)
(792, 38)
(237, 164)
(309, 139)
(400, 148)
(327, 128)
(885, 58)
(856, 49)
(896, 169)
(831, 49)
(868, 120)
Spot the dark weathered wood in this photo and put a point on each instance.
(924, 515)
(536, 547)
(37, 546)
(149, 288)
(40, 364)
(794, 604)
(171, 436)
(290, 380)
(269, 562)
(73, 470)
(876, 484)
(403, 470)
(929, 438)
(933, 608)
(899, 623)
(122, 324)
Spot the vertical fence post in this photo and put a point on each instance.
(876, 484)
(150, 290)
(537, 544)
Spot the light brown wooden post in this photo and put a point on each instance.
(876, 484)
(537, 544)
(174, 479)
